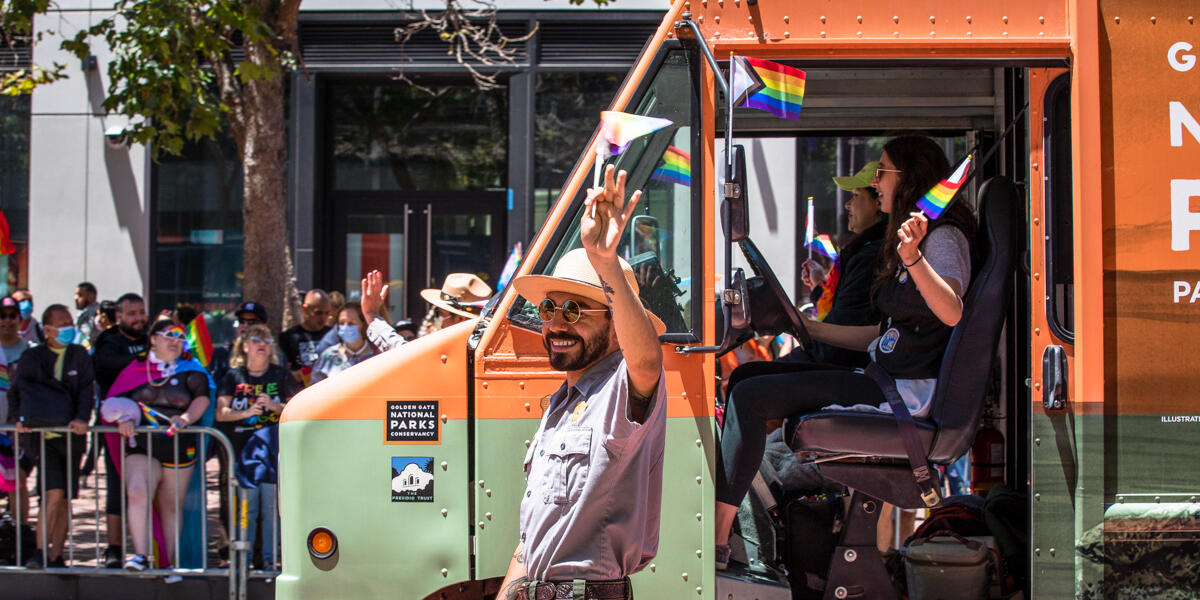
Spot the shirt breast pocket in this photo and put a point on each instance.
(569, 452)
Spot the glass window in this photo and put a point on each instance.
(377, 242)
(567, 106)
(396, 136)
(461, 243)
(659, 241)
(14, 189)
(198, 229)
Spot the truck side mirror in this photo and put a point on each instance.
(735, 218)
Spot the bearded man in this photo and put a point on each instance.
(590, 513)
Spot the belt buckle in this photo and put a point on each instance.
(545, 591)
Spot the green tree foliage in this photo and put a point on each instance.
(181, 68)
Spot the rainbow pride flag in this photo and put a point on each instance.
(619, 129)
(6, 244)
(936, 200)
(158, 419)
(769, 86)
(510, 267)
(828, 289)
(823, 244)
(199, 341)
(676, 167)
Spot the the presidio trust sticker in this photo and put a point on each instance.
(411, 421)
(412, 479)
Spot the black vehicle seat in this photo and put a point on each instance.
(865, 452)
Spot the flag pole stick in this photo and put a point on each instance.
(599, 162)
(726, 207)
(811, 226)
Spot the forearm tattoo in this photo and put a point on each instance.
(519, 557)
(513, 589)
(608, 291)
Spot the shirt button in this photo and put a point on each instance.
(527, 494)
(562, 446)
(522, 537)
(541, 452)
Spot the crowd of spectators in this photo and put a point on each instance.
(110, 364)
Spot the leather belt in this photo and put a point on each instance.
(618, 589)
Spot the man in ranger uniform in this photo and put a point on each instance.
(590, 513)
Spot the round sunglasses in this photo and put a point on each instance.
(571, 310)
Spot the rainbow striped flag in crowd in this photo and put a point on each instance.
(619, 130)
(765, 85)
(199, 341)
(6, 244)
(676, 167)
(937, 199)
(823, 244)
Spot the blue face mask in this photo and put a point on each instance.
(66, 336)
(26, 308)
(349, 333)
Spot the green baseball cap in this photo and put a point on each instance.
(861, 179)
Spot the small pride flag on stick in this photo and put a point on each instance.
(823, 244)
(617, 131)
(676, 167)
(765, 85)
(937, 199)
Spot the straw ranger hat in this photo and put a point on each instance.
(861, 179)
(575, 275)
(460, 293)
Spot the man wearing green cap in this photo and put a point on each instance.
(851, 301)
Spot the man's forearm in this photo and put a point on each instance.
(515, 577)
(635, 332)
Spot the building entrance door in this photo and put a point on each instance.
(416, 243)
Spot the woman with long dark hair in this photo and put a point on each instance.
(924, 270)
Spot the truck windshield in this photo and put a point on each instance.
(659, 241)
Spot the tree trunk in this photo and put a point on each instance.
(266, 255)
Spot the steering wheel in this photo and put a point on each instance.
(772, 311)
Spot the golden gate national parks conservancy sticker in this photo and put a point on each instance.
(411, 421)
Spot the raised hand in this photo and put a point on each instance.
(911, 233)
(605, 215)
(374, 295)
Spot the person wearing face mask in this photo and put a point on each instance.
(173, 392)
(112, 351)
(250, 398)
(10, 331)
(351, 350)
(52, 387)
(31, 330)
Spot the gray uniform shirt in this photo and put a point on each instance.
(594, 480)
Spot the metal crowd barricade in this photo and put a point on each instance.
(240, 550)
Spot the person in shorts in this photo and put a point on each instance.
(53, 386)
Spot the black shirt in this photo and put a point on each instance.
(173, 395)
(111, 352)
(244, 389)
(300, 346)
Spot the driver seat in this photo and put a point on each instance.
(865, 452)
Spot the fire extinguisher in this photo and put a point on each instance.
(987, 460)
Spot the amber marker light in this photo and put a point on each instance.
(321, 543)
